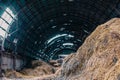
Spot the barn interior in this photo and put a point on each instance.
(48, 30)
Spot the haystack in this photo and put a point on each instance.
(38, 68)
(98, 58)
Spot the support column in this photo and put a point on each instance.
(0, 63)
(14, 60)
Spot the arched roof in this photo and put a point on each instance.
(45, 27)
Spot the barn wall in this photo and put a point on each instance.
(7, 61)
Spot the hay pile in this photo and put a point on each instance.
(14, 74)
(98, 58)
(38, 68)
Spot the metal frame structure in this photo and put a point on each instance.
(40, 20)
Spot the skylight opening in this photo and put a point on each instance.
(59, 35)
(70, 35)
(3, 24)
(68, 44)
(5, 21)
(10, 12)
(2, 32)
